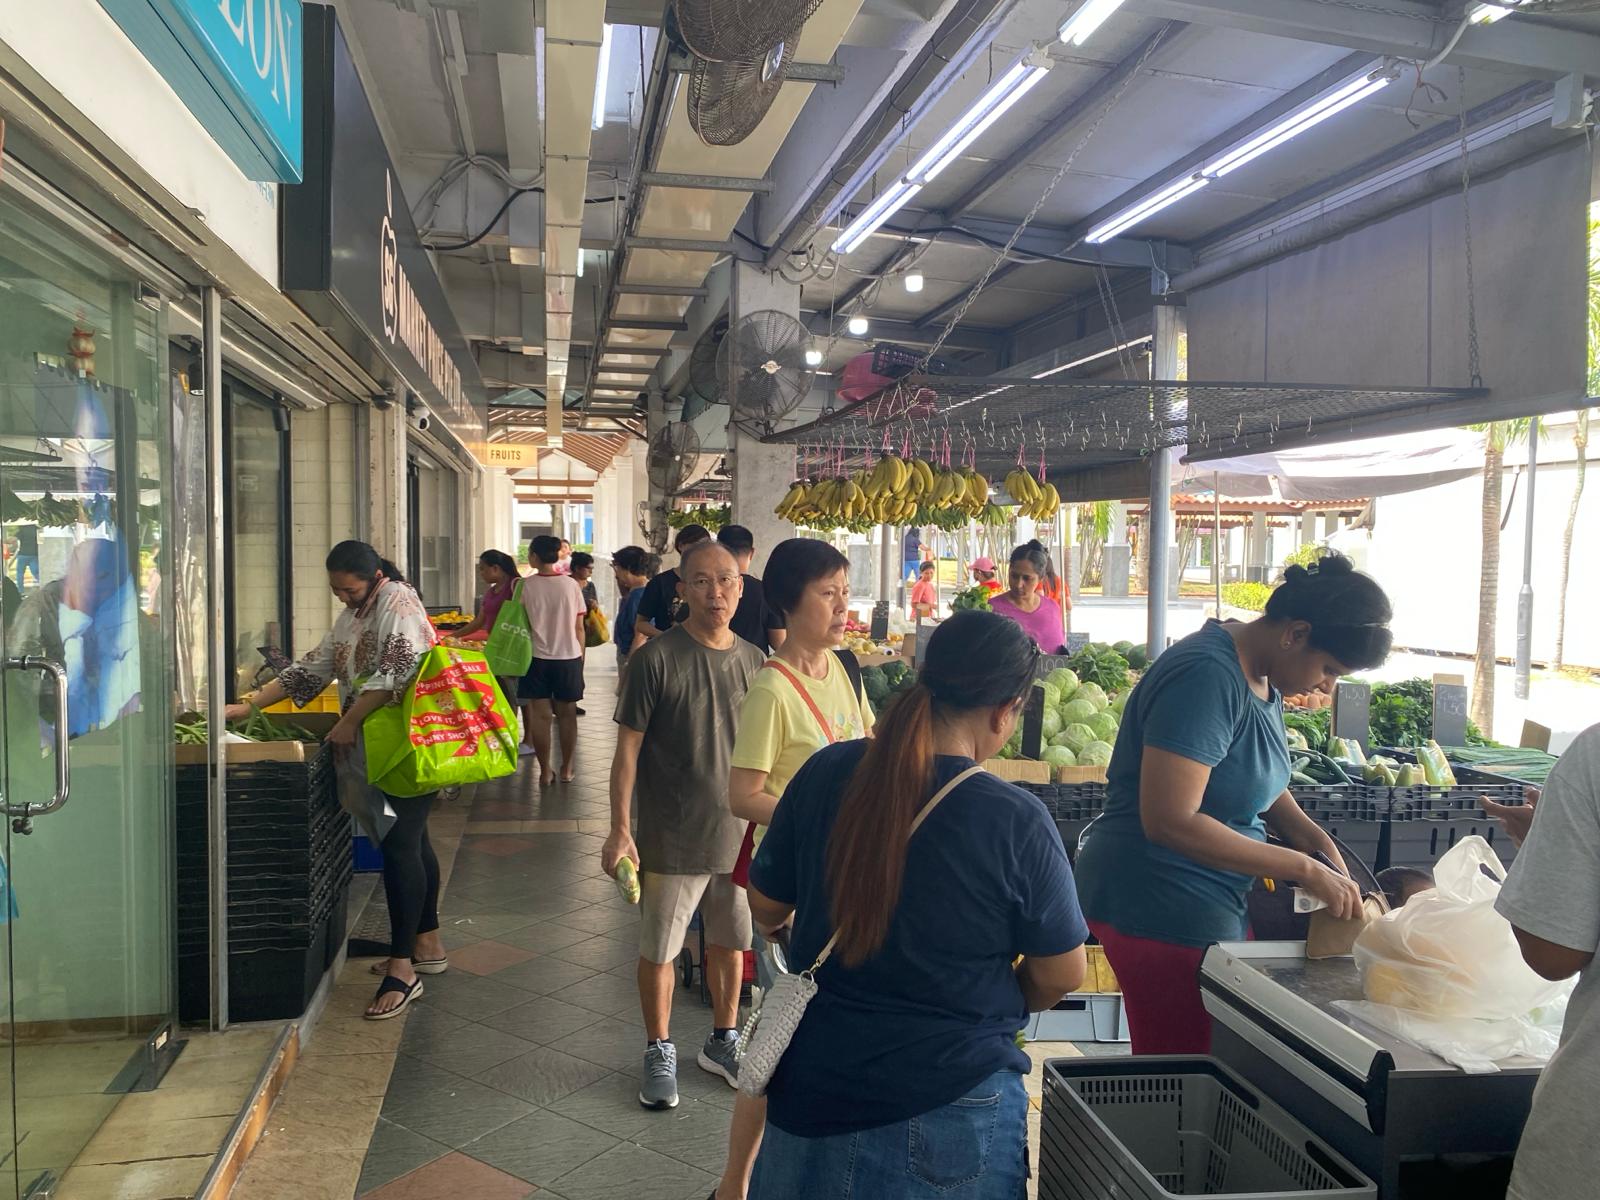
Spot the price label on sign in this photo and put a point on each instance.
(1048, 663)
(1352, 713)
(1450, 702)
(1077, 642)
(880, 621)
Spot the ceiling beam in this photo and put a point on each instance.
(884, 329)
(715, 183)
(660, 289)
(1403, 28)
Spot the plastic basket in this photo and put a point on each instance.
(1162, 1127)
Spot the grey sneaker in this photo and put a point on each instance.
(721, 1057)
(660, 1086)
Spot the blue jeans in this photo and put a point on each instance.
(972, 1149)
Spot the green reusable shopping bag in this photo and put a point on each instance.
(509, 648)
(453, 726)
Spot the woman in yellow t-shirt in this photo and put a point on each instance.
(801, 701)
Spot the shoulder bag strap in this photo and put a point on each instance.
(852, 668)
(805, 694)
(922, 816)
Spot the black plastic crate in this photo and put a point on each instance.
(1421, 829)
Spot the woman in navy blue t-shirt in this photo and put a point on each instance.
(1199, 773)
(905, 1074)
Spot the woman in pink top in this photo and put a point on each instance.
(1039, 616)
(554, 683)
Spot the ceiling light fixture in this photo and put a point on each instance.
(996, 100)
(913, 282)
(601, 78)
(813, 358)
(1090, 15)
(1488, 14)
(857, 326)
(1249, 148)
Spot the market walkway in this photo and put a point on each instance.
(516, 1073)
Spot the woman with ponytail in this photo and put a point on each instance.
(1200, 773)
(904, 1076)
(373, 652)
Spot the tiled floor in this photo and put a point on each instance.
(516, 1073)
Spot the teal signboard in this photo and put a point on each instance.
(238, 67)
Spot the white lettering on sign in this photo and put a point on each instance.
(404, 320)
(266, 39)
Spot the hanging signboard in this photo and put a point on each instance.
(1352, 720)
(237, 65)
(513, 456)
(351, 253)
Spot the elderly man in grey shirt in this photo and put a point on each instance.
(1552, 899)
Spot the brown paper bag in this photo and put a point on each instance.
(1328, 937)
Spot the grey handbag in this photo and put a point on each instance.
(769, 1030)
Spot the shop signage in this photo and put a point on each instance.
(513, 456)
(351, 253)
(237, 65)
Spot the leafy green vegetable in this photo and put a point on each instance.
(1058, 756)
(1093, 695)
(976, 596)
(1312, 725)
(1104, 725)
(1076, 737)
(1066, 682)
(1077, 712)
(876, 684)
(1102, 666)
(1402, 715)
(1095, 754)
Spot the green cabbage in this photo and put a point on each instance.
(1104, 725)
(1058, 756)
(1095, 754)
(1066, 682)
(1077, 712)
(1060, 739)
(1051, 725)
(1052, 694)
(1094, 694)
(1119, 702)
(1076, 737)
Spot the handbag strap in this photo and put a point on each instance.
(922, 816)
(805, 694)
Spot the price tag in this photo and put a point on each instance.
(1048, 663)
(1450, 702)
(880, 621)
(1352, 717)
(1076, 642)
(1033, 723)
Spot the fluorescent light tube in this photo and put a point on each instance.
(1128, 217)
(1091, 14)
(1297, 122)
(857, 326)
(1487, 14)
(875, 214)
(601, 78)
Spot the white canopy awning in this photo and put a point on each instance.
(1343, 470)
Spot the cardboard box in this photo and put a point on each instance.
(253, 752)
(1018, 770)
(1080, 775)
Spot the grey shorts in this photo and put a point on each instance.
(667, 902)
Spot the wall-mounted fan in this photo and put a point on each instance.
(673, 458)
(741, 50)
(761, 366)
(703, 377)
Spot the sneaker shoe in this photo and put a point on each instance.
(524, 750)
(720, 1056)
(660, 1086)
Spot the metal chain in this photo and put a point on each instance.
(1016, 236)
(1474, 358)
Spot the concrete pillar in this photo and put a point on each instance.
(1308, 528)
(1330, 524)
(1116, 562)
(1255, 556)
(761, 473)
(1169, 334)
(386, 482)
(655, 420)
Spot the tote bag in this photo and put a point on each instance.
(453, 726)
(509, 648)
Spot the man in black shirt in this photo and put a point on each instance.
(754, 620)
(660, 609)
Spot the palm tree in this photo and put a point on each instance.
(1580, 439)
(1499, 435)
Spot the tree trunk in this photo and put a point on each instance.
(1483, 668)
(1580, 440)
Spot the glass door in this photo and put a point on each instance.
(86, 872)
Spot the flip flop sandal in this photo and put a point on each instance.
(410, 991)
(422, 966)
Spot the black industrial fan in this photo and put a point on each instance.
(739, 30)
(703, 377)
(674, 455)
(762, 369)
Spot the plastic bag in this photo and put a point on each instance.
(509, 647)
(1477, 1047)
(596, 629)
(366, 804)
(454, 726)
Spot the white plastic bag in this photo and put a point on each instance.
(1447, 953)
(1445, 971)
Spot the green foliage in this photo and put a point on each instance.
(1307, 555)
(976, 596)
(1402, 715)
(1100, 665)
(1313, 726)
(1252, 597)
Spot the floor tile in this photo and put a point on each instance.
(602, 994)
(637, 1173)
(541, 1147)
(546, 938)
(467, 1049)
(543, 974)
(395, 1151)
(492, 922)
(613, 1044)
(455, 1112)
(543, 1020)
(471, 996)
(454, 1177)
(542, 1076)
(598, 919)
(694, 1134)
(488, 957)
(601, 953)
(121, 1181)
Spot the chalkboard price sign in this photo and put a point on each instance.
(1352, 713)
(1033, 723)
(1048, 663)
(1076, 642)
(880, 621)
(1450, 714)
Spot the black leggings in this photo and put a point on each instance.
(410, 874)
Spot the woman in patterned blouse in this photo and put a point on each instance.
(373, 652)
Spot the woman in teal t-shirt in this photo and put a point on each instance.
(1200, 772)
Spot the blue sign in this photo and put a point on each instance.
(238, 67)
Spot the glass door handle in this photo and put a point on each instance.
(58, 675)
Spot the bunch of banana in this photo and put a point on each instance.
(892, 474)
(1040, 501)
(977, 492)
(796, 503)
(994, 516)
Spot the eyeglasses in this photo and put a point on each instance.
(702, 584)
